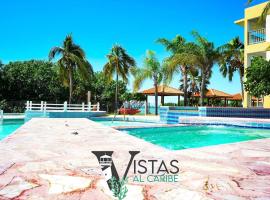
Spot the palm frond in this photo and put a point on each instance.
(63, 72)
(55, 51)
(141, 75)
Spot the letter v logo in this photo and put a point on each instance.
(108, 168)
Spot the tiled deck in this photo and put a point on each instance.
(44, 160)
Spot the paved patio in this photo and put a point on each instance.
(43, 159)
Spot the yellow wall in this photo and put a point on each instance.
(266, 103)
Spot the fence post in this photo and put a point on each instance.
(27, 105)
(30, 105)
(1, 116)
(41, 105)
(89, 106)
(82, 106)
(65, 106)
(45, 106)
(97, 106)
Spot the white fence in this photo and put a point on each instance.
(1, 116)
(64, 107)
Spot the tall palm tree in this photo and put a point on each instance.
(153, 70)
(232, 60)
(119, 64)
(72, 58)
(174, 65)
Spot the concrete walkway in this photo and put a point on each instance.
(43, 159)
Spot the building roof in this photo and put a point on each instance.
(240, 22)
(252, 12)
(213, 93)
(163, 90)
(238, 97)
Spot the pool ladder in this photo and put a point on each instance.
(123, 106)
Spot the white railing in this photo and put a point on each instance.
(1, 116)
(257, 36)
(64, 107)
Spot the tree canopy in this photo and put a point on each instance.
(258, 77)
(39, 80)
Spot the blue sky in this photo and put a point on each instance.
(30, 28)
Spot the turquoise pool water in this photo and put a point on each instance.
(176, 138)
(9, 126)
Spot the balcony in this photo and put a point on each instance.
(256, 36)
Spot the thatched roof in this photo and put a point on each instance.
(213, 93)
(238, 97)
(163, 90)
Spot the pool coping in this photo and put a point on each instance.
(226, 121)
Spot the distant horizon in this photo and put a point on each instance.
(33, 28)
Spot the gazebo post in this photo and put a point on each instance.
(178, 102)
(225, 102)
(162, 100)
(146, 106)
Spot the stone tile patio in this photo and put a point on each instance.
(44, 160)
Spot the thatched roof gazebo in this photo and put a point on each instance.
(212, 94)
(163, 90)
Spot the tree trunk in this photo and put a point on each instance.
(70, 86)
(192, 96)
(202, 88)
(242, 85)
(185, 84)
(156, 97)
(116, 95)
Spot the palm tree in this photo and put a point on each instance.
(232, 60)
(201, 54)
(153, 70)
(205, 56)
(174, 65)
(119, 64)
(72, 58)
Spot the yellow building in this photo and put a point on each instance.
(257, 40)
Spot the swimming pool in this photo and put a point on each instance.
(184, 137)
(9, 126)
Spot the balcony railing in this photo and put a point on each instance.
(256, 36)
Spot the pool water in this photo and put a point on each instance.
(9, 126)
(176, 138)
